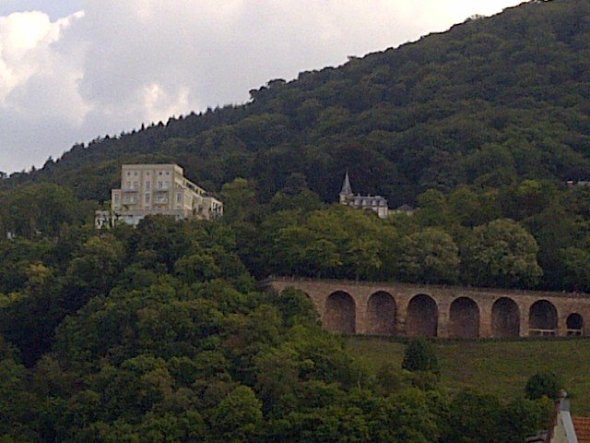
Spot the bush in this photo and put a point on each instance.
(543, 384)
(420, 356)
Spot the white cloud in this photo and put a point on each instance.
(24, 38)
(120, 63)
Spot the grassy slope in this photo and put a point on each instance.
(498, 367)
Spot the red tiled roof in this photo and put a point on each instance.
(582, 427)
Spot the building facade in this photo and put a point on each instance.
(375, 203)
(157, 189)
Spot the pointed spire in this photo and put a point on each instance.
(346, 188)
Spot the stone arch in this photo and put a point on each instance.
(381, 311)
(340, 313)
(542, 318)
(575, 324)
(422, 319)
(505, 318)
(464, 318)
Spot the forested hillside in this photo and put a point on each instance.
(159, 333)
(483, 123)
(488, 103)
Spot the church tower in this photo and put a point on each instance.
(346, 191)
(375, 203)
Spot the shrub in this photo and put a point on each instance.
(420, 356)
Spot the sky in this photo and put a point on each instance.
(74, 70)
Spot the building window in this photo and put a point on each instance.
(148, 186)
(128, 173)
(135, 185)
(160, 184)
(128, 185)
(178, 197)
(147, 198)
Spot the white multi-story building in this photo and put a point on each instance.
(157, 189)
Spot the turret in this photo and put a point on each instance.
(346, 191)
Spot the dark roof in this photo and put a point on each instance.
(368, 197)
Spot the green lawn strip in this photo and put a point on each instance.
(498, 367)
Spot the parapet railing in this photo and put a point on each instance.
(553, 332)
(335, 281)
(574, 332)
(542, 332)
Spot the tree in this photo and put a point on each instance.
(433, 209)
(197, 267)
(560, 231)
(474, 418)
(238, 417)
(405, 417)
(360, 239)
(491, 166)
(429, 256)
(277, 376)
(521, 418)
(388, 379)
(501, 253)
(295, 306)
(289, 250)
(96, 266)
(17, 403)
(239, 200)
(574, 263)
(364, 256)
(527, 199)
(419, 355)
(159, 241)
(543, 384)
(304, 200)
(40, 210)
(471, 209)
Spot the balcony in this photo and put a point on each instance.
(149, 211)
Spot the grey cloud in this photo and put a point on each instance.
(190, 55)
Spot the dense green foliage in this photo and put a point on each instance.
(159, 334)
(420, 356)
(543, 384)
(484, 122)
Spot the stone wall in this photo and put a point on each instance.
(440, 311)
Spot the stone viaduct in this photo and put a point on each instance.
(369, 308)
